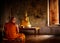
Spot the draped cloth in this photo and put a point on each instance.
(11, 33)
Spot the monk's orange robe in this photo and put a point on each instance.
(11, 32)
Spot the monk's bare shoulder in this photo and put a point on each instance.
(16, 25)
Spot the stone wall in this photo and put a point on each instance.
(36, 10)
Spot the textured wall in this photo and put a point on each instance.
(36, 10)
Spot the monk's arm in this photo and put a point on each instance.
(17, 28)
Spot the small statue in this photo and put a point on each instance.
(25, 22)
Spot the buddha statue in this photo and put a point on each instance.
(25, 22)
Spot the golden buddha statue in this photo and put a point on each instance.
(25, 22)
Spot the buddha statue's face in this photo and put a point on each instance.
(26, 19)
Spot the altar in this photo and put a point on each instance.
(24, 30)
(26, 27)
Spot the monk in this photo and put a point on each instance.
(11, 30)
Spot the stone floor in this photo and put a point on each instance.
(38, 39)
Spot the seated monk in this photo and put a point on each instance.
(11, 30)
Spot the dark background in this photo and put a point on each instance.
(36, 10)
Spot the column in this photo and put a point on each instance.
(53, 12)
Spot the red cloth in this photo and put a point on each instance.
(11, 31)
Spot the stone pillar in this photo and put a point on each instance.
(53, 12)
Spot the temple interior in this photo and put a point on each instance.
(37, 19)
